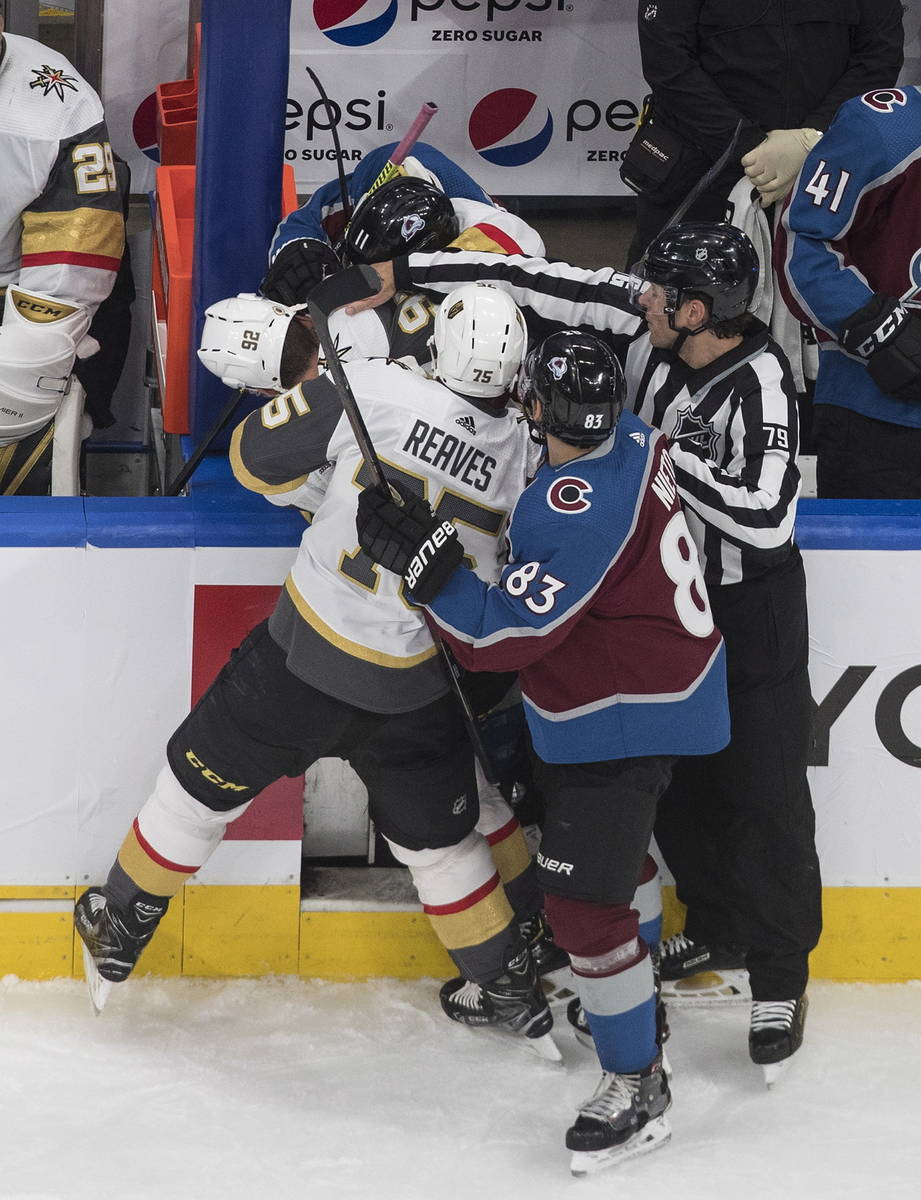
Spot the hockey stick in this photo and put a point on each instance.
(358, 283)
(183, 474)
(425, 114)
(704, 182)
(334, 133)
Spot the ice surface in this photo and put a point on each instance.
(277, 1088)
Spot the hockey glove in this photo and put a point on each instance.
(409, 540)
(888, 336)
(774, 163)
(297, 269)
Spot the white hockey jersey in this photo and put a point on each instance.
(345, 624)
(62, 229)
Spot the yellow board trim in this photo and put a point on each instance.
(872, 935)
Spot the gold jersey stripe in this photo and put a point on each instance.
(475, 925)
(475, 239)
(245, 477)
(81, 231)
(150, 876)
(316, 622)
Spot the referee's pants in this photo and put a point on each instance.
(737, 828)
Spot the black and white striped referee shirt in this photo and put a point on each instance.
(732, 425)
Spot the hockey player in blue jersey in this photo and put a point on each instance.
(848, 257)
(603, 610)
(430, 203)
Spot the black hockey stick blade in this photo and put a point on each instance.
(355, 283)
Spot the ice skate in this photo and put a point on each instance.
(551, 962)
(775, 1035)
(513, 1002)
(699, 975)
(112, 940)
(623, 1119)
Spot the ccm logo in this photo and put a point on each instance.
(554, 864)
(208, 774)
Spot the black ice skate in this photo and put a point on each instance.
(623, 1119)
(551, 962)
(112, 939)
(698, 974)
(775, 1034)
(514, 1002)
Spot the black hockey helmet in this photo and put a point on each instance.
(712, 259)
(580, 386)
(403, 215)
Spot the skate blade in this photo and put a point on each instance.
(97, 987)
(545, 1047)
(654, 1134)
(708, 988)
(774, 1072)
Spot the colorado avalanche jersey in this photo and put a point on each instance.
(851, 228)
(484, 225)
(62, 229)
(602, 609)
(345, 625)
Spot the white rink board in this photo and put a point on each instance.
(97, 660)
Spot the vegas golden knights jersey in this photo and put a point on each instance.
(345, 625)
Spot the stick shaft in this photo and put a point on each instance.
(426, 112)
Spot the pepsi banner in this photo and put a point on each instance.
(535, 97)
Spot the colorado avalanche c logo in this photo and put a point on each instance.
(557, 367)
(567, 494)
(884, 101)
(412, 225)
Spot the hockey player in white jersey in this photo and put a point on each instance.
(345, 667)
(62, 237)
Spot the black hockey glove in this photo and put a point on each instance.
(408, 539)
(888, 336)
(297, 269)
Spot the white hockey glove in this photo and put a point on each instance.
(412, 167)
(39, 341)
(774, 164)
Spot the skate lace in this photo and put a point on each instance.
(675, 945)
(613, 1095)
(772, 1014)
(469, 996)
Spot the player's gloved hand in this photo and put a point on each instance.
(296, 270)
(774, 163)
(408, 539)
(888, 336)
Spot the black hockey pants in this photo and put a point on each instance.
(737, 828)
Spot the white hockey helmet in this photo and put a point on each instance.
(479, 341)
(242, 340)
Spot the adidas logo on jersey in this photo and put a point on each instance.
(639, 438)
(467, 423)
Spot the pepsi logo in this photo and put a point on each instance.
(510, 127)
(354, 22)
(144, 127)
